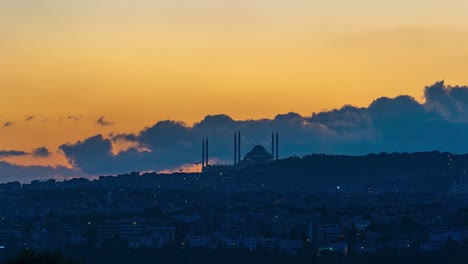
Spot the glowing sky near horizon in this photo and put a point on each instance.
(137, 62)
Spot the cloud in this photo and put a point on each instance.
(399, 124)
(102, 122)
(347, 117)
(450, 102)
(74, 118)
(42, 152)
(29, 118)
(94, 156)
(90, 155)
(11, 153)
(8, 123)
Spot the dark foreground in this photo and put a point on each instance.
(192, 256)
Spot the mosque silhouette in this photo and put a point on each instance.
(257, 156)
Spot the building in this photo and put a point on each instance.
(257, 156)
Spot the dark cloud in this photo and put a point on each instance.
(74, 118)
(8, 123)
(347, 117)
(217, 121)
(90, 155)
(398, 109)
(11, 153)
(29, 118)
(399, 124)
(102, 122)
(42, 152)
(450, 102)
(94, 156)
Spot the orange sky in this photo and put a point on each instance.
(137, 62)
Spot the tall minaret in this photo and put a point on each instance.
(273, 145)
(203, 153)
(206, 152)
(235, 148)
(239, 147)
(277, 145)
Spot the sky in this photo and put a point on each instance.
(71, 70)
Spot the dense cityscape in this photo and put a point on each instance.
(217, 210)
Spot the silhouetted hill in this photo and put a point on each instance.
(422, 171)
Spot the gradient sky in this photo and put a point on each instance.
(135, 62)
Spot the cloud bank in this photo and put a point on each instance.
(399, 124)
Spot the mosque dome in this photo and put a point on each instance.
(258, 155)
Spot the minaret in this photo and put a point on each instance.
(239, 147)
(206, 152)
(235, 148)
(203, 153)
(277, 145)
(273, 145)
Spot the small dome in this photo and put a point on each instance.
(258, 150)
(258, 155)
